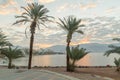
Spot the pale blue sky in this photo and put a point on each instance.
(101, 17)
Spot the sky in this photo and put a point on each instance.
(100, 17)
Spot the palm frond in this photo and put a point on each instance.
(79, 31)
(117, 39)
(70, 24)
(77, 54)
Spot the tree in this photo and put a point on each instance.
(26, 51)
(117, 63)
(75, 55)
(70, 25)
(11, 53)
(114, 49)
(3, 40)
(36, 15)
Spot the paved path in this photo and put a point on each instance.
(12, 74)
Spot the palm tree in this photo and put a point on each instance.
(70, 25)
(3, 40)
(11, 53)
(36, 14)
(117, 63)
(75, 55)
(114, 49)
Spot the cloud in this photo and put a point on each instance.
(97, 30)
(87, 6)
(29, 1)
(73, 6)
(112, 10)
(41, 45)
(62, 8)
(8, 7)
(46, 1)
(6, 11)
(67, 6)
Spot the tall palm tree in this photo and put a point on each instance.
(11, 53)
(36, 14)
(70, 25)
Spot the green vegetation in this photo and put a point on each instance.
(117, 63)
(36, 15)
(114, 49)
(70, 25)
(3, 40)
(11, 53)
(26, 51)
(75, 55)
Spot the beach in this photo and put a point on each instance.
(93, 73)
(90, 73)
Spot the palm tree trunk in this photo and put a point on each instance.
(72, 66)
(32, 29)
(10, 64)
(31, 50)
(67, 56)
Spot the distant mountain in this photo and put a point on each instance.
(57, 48)
(92, 47)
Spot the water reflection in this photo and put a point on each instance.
(92, 59)
(85, 61)
(44, 60)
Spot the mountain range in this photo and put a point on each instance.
(92, 47)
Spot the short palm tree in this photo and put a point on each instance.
(117, 63)
(114, 49)
(76, 54)
(3, 40)
(11, 53)
(70, 25)
(36, 15)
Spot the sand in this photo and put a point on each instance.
(86, 73)
(90, 73)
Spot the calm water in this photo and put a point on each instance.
(92, 59)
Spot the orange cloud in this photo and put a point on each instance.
(86, 39)
(63, 7)
(41, 45)
(28, 1)
(46, 1)
(87, 6)
(8, 3)
(112, 9)
(9, 7)
(9, 11)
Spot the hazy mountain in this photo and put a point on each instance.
(92, 47)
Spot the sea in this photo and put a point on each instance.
(91, 59)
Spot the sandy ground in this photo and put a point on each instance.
(89, 73)
(86, 73)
